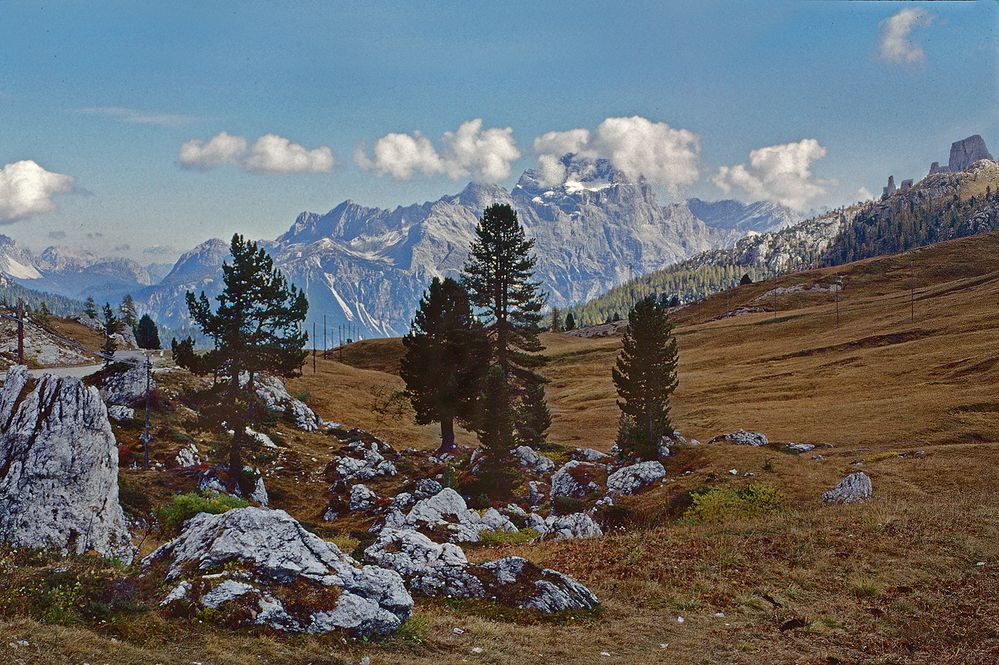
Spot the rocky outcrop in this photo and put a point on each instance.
(889, 189)
(361, 498)
(121, 414)
(631, 479)
(188, 456)
(271, 390)
(261, 567)
(966, 152)
(361, 461)
(577, 479)
(126, 387)
(59, 468)
(531, 460)
(742, 438)
(853, 489)
(566, 527)
(433, 569)
(445, 517)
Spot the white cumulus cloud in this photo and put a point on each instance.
(269, 154)
(276, 154)
(470, 151)
(636, 145)
(779, 173)
(896, 35)
(27, 189)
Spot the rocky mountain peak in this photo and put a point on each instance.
(967, 151)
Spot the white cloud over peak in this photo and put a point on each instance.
(638, 146)
(470, 151)
(896, 35)
(27, 189)
(268, 154)
(779, 173)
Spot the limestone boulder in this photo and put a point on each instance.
(126, 387)
(742, 438)
(634, 478)
(446, 518)
(576, 479)
(854, 488)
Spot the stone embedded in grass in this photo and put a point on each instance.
(261, 567)
(742, 438)
(799, 448)
(588, 455)
(361, 498)
(631, 479)
(446, 517)
(124, 388)
(853, 489)
(275, 396)
(577, 479)
(361, 461)
(566, 527)
(59, 468)
(121, 414)
(531, 460)
(188, 456)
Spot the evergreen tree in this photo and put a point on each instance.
(111, 325)
(146, 334)
(90, 308)
(533, 417)
(495, 425)
(556, 320)
(746, 279)
(257, 327)
(128, 313)
(499, 278)
(446, 354)
(570, 321)
(645, 377)
(44, 313)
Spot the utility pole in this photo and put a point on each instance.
(20, 331)
(146, 436)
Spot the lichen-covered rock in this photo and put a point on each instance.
(588, 455)
(188, 456)
(742, 438)
(799, 448)
(272, 391)
(360, 462)
(211, 481)
(120, 413)
(853, 489)
(262, 567)
(445, 517)
(531, 460)
(361, 498)
(577, 479)
(426, 488)
(436, 569)
(59, 468)
(536, 492)
(565, 527)
(631, 479)
(127, 387)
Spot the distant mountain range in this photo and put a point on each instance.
(367, 267)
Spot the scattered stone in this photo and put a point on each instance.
(257, 565)
(261, 438)
(121, 413)
(127, 387)
(577, 479)
(733, 472)
(59, 468)
(588, 455)
(537, 491)
(631, 479)
(530, 459)
(457, 631)
(853, 489)
(446, 517)
(741, 438)
(361, 498)
(818, 458)
(362, 462)
(799, 448)
(426, 488)
(188, 456)
(566, 527)
(514, 510)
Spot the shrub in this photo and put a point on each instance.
(722, 504)
(888, 454)
(507, 538)
(567, 505)
(185, 506)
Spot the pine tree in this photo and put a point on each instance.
(533, 417)
(128, 313)
(746, 279)
(645, 377)
(446, 355)
(111, 325)
(556, 320)
(44, 313)
(570, 321)
(90, 308)
(147, 336)
(495, 425)
(499, 278)
(257, 327)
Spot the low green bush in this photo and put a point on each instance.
(723, 504)
(185, 506)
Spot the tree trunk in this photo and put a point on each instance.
(447, 436)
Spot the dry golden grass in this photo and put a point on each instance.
(897, 579)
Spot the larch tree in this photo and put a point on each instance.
(645, 378)
(446, 356)
(257, 327)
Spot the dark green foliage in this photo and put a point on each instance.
(645, 377)
(533, 417)
(556, 325)
(746, 279)
(90, 308)
(43, 313)
(257, 327)
(570, 321)
(495, 427)
(446, 354)
(111, 326)
(128, 313)
(146, 334)
(10, 292)
(185, 506)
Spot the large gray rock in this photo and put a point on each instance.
(577, 479)
(264, 568)
(742, 438)
(126, 387)
(566, 527)
(853, 489)
(435, 570)
(446, 517)
(59, 468)
(966, 152)
(361, 462)
(272, 391)
(631, 479)
(531, 460)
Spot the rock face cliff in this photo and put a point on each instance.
(59, 468)
(966, 152)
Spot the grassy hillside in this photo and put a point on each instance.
(910, 576)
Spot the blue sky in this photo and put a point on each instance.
(108, 93)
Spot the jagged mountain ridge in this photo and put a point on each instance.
(367, 267)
